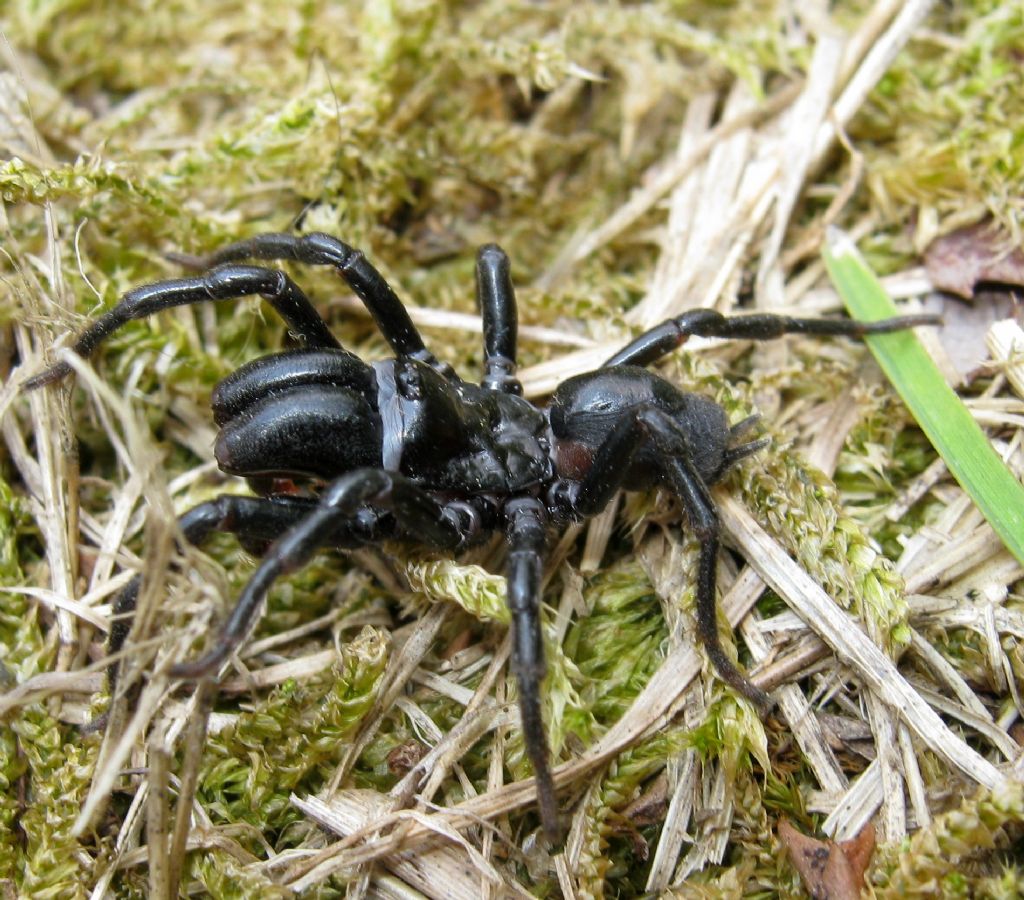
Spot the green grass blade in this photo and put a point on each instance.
(938, 410)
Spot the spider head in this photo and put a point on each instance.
(587, 409)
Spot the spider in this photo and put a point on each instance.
(404, 450)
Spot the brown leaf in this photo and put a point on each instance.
(830, 871)
(648, 809)
(403, 757)
(651, 806)
(958, 261)
(965, 326)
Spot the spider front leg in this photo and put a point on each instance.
(319, 249)
(526, 521)
(338, 507)
(224, 283)
(688, 485)
(611, 466)
(672, 333)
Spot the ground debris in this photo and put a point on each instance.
(830, 871)
(981, 253)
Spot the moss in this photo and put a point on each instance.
(55, 862)
(608, 855)
(944, 121)
(477, 591)
(952, 856)
(45, 767)
(617, 647)
(21, 649)
(286, 742)
(224, 877)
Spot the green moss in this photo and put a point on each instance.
(21, 649)
(224, 877)
(477, 591)
(45, 767)
(945, 121)
(617, 646)
(284, 744)
(953, 855)
(607, 853)
(59, 767)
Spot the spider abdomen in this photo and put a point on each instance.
(314, 430)
(279, 372)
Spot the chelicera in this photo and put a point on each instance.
(405, 450)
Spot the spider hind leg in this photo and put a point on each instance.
(343, 508)
(228, 282)
(249, 518)
(319, 249)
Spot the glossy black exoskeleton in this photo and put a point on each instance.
(403, 449)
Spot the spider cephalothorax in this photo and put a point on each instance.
(403, 449)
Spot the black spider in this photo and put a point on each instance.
(403, 449)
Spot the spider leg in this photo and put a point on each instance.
(341, 502)
(672, 333)
(224, 283)
(251, 518)
(610, 466)
(319, 249)
(497, 300)
(525, 528)
(686, 482)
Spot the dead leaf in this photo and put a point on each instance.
(957, 262)
(403, 757)
(830, 871)
(647, 809)
(965, 326)
(651, 806)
